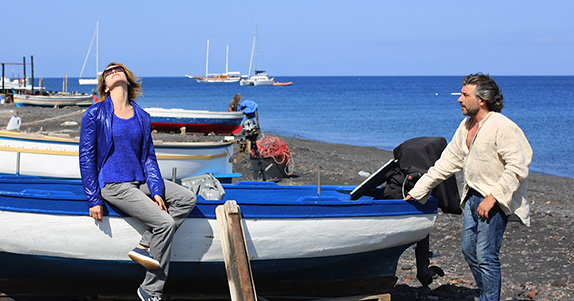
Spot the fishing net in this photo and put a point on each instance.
(276, 149)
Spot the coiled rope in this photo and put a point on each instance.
(277, 149)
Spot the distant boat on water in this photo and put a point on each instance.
(227, 77)
(282, 83)
(92, 81)
(260, 78)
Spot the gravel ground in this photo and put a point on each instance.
(536, 260)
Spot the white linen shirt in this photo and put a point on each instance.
(496, 163)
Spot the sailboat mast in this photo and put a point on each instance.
(207, 59)
(252, 51)
(227, 61)
(97, 47)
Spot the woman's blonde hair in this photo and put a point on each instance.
(134, 85)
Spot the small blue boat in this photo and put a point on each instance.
(294, 234)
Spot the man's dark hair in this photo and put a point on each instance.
(486, 89)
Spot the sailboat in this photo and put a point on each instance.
(260, 78)
(92, 81)
(227, 77)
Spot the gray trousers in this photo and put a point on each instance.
(135, 200)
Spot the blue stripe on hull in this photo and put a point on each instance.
(256, 199)
(230, 121)
(368, 265)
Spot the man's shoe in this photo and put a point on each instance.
(145, 297)
(143, 257)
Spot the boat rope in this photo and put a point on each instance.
(276, 149)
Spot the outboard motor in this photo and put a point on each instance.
(413, 158)
(251, 129)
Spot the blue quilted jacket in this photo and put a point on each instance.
(95, 145)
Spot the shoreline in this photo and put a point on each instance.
(536, 260)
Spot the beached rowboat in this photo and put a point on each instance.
(54, 100)
(195, 121)
(294, 235)
(56, 157)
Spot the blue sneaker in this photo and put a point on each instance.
(143, 257)
(145, 297)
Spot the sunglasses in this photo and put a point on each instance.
(109, 71)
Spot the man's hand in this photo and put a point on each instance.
(408, 197)
(97, 212)
(485, 206)
(159, 201)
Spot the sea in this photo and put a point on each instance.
(380, 111)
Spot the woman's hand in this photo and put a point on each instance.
(97, 212)
(159, 201)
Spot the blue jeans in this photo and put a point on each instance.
(481, 241)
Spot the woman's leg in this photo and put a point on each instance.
(130, 199)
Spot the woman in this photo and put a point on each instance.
(118, 165)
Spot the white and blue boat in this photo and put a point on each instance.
(51, 156)
(195, 121)
(294, 235)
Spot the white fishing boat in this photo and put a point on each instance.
(22, 84)
(260, 77)
(195, 121)
(297, 239)
(56, 99)
(57, 157)
(92, 81)
(227, 77)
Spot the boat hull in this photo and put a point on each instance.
(53, 100)
(216, 79)
(195, 121)
(292, 234)
(88, 81)
(53, 157)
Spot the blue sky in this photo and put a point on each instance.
(297, 38)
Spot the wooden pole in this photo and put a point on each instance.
(24, 59)
(237, 264)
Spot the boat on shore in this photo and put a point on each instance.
(195, 121)
(227, 77)
(57, 156)
(296, 237)
(54, 99)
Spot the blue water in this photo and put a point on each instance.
(382, 111)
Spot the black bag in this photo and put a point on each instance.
(414, 158)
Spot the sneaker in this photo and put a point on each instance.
(145, 297)
(143, 257)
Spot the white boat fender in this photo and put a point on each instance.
(14, 123)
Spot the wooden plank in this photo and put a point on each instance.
(237, 264)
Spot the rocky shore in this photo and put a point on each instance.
(536, 260)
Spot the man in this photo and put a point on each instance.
(234, 103)
(495, 156)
